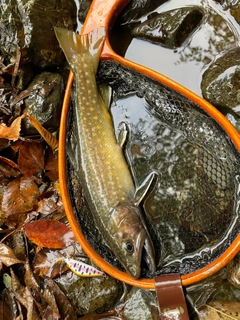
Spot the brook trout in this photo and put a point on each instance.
(99, 160)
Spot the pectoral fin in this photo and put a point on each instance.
(106, 93)
(145, 187)
(122, 135)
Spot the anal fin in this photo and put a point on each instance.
(145, 187)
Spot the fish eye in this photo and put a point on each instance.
(129, 247)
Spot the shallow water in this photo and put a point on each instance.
(218, 31)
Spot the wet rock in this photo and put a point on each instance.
(233, 271)
(199, 293)
(232, 115)
(44, 102)
(220, 82)
(141, 305)
(83, 9)
(226, 4)
(24, 76)
(18, 245)
(235, 12)
(90, 294)
(137, 8)
(226, 292)
(170, 28)
(233, 6)
(29, 25)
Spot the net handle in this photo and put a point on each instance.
(170, 297)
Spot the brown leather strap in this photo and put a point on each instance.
(171, 300)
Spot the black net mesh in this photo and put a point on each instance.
(192, 212)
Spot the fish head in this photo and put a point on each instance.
(129, 235)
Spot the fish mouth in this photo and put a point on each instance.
(135, 269)
(148, 254)
(144, 250)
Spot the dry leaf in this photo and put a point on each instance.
(51, 165)
(46, 135)
(220, 310)
(12, 132)
(10, 309)
(49, 298)
(31, 158)
(29, 278)
(8, 168)
(21, 96)
(4, 143)
(49, 263)
(50, 234)
(20, 195)
(15, 146)
(50, 202)
(23, 295)
(65, 308)
(7, 256)
(18, 289)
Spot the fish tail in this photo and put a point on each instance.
(75, 45)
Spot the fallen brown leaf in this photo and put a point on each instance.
(12, 132)
(51, 311)
(64, 306)
(29, 278)
(18, 289)
(51, 165)
(23, 295)
(31, 158)
(50, 202)
(8, 168)
(46, 135)
(48, 262)
(9, 306)
(7, 256)
(20, 195)
(50, 234)
(220, 310)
